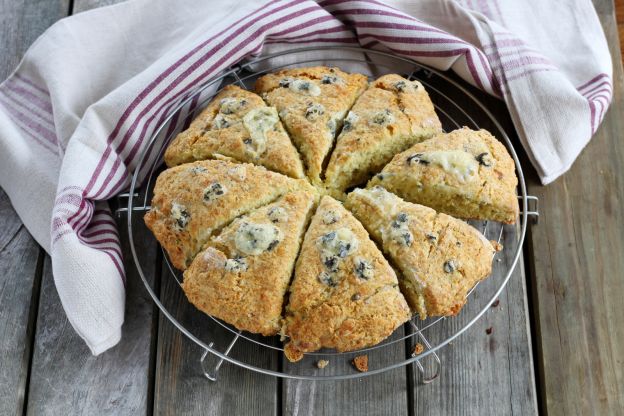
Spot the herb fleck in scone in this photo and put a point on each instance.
(312, 102)
(464, 173)
(390, 116)
(243, 274)
(237, 124)
(440, 258)
(344, 294)
(194, 200)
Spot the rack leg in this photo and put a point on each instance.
(427, 378)
(212, 373)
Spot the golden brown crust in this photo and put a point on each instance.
(247, 289)
(312, 102)
(345, 294)
(361, 363)
(440, 258)
(478, 181)
(389, 117)
(193, 200)
(221, 129)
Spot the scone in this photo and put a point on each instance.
(344, 294)
(389, 117)
(312, 102)
(237, 124)
(440, 258)
(243, 274)
(194, 200)
(465, 173)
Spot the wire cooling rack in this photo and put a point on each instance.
(455, 106)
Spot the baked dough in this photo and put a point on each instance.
(237, 124)
(194, 200)
(344, 294)
(464, 173)
(242, 275)
(439, 257)
(312, 102)
(389, 117)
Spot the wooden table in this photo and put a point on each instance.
(557, 343)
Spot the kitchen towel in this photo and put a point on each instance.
(79, 109)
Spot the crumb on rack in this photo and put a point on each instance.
(497, 246)
(322, 363)
(495, 303)
(361, 363)
(418, 349)
(489, 330)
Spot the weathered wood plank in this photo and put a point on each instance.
(485, 373)
(180, 386)
(20, 256)
(20, 276)
(578, 267)
(21, 22)
(380, 394)
(66, 379)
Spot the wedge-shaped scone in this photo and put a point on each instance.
(312, 102)
(243, 274)
(465, 173)
(194, 200)
(239, 125)
(440, 258)
(344, 294)
(389, 117)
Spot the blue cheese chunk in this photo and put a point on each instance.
(399, 231)
(301, 86)
(231, 105)
(350, 121)
(258, 123)
(235, 265)
(277, 214)
(462, 165)
(254, 239)
(180, 215)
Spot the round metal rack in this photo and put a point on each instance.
(456, 107)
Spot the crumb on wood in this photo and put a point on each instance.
(361, 363)
(497, 246)
(495, 303)
(418, 349)
(322, 363)
(489, 330)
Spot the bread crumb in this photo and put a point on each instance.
(489, 330)
(322, 363)
(497, 246)
(495, 303)
(418, 349)
(361, 363)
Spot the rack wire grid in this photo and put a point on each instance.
(222, 342)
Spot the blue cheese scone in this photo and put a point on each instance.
(193, 200)
(390, 116)
(440, 258)
(465, 173)
(312, 102)
(344, 294)
(243, 273)
(237, 124)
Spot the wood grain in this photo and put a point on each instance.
(488, 369)
(385, 393)
(578, 267)
(66, 379)
(180, 386)
(20, 275)
(20, 256)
